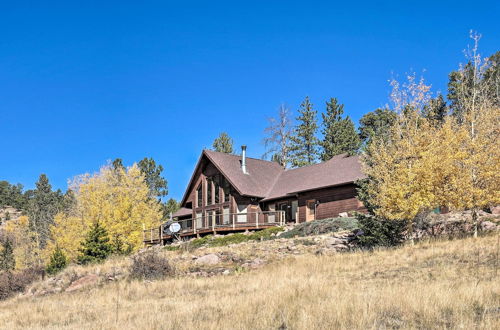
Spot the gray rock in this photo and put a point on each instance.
(488, 225)
(209, 259)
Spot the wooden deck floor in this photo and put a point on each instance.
(156, 238)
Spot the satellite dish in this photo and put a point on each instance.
(175, 227)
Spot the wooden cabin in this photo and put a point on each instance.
(229, 193)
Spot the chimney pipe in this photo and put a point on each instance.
(244, 159)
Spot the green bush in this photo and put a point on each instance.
(96, 246)
(380, 232)
(317, 227)
(58, 262)
(7, 261)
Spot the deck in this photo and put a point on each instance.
(215, 223)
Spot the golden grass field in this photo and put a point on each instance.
(431, 285)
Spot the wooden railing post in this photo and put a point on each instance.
(234, 224)
(151, 235)
(257, 219)
(161, 234)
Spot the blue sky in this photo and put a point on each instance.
(82, 83)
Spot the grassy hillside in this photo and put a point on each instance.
(446, 284)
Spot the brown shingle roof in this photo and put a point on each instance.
(183, 211)
(261, 176)
(336, 171)
(268, 180)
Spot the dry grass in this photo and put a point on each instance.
(449, 284)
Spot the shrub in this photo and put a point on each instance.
(150, 265)
(58, 261)
(317, 227)
(7, 261)
(12, 283)
(380, 232)
(96, 246)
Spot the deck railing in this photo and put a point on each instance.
(219, 221)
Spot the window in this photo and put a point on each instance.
(225, 187)
(199, 196)
(271, 217)
(216, 189)
(209, 191)
(242, 216)
(199, 220)
(225, 215)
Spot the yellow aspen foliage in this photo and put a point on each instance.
(423, 166)
(117, 198)
(26, 252)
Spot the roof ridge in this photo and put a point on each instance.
(235, 155)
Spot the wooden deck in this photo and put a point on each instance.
(229, 223)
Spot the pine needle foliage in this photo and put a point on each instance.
(96, 246)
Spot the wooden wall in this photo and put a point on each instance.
(332, 201)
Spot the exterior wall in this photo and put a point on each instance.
(332, 201)
(207, 169)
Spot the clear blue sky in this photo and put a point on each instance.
(84, 83)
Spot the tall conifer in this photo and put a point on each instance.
(304, 143)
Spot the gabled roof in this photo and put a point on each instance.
(341, 169)
(268, 180)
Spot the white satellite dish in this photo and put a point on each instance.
(175, 227)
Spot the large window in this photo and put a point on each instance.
(209, 191)
(199, 196)
(225, 187)
(216, 189)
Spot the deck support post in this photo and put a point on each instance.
(234, 225)
(257, 219)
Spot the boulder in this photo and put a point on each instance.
(488, 225)
(334, 241)
(495, 209)
(209, 259)
(87, 280)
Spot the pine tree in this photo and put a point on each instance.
(223, 143)
(152, 175)
(304, 143)
(58, 261)
(339, 134)
(43, 206)
(436, 110)
(7, 261)
(376, 124)
(96, 246)
(171, 206)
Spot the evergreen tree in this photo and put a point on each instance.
(223, 143)
(118, 164)
(171, 206)
(96, 246)
(304, 143)
(376, 123)
(42, 207)
(7, 261)
(156, 182)
(12, 195)
(339, 134)
(436, 110)
(58, 261)
(466, 84)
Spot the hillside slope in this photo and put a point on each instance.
(446, 284)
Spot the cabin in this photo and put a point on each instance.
(230, 193)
